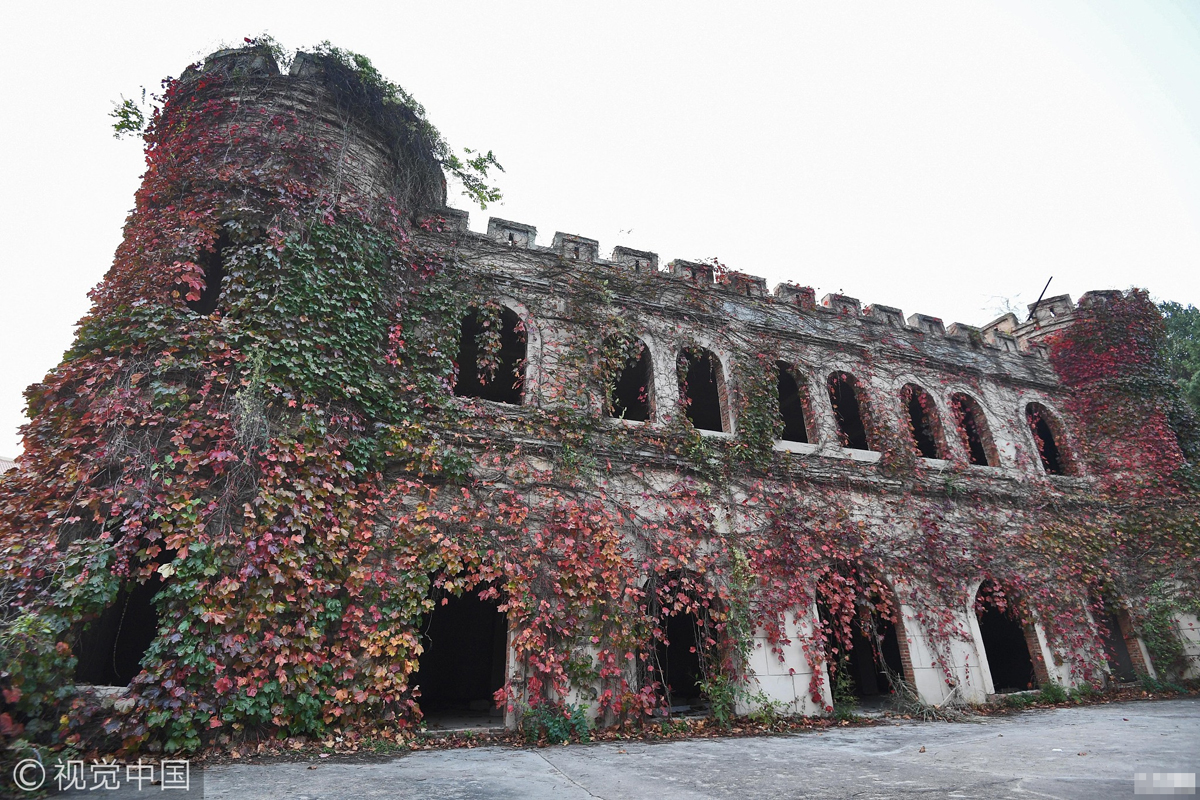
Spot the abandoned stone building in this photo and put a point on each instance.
(983, 404)
(347, 458)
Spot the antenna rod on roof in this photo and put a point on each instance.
(1033, 307)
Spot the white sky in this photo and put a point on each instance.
(934, 156)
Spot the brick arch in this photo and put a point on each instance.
(1117, 632)
(795, 411)
(986, 592)
(878, 643)
(630, 396)
(1049, 438)
(974, 430)
(853, 421)
(920, 411)
(722, 415)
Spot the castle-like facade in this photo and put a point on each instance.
(322, 454)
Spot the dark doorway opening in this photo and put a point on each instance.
(465, 641)
(678, 661)
(1004, 641)
(976, 437)
(631, 394)
(1116, 650)
(111, 647)
(500, 377)
(843, 394)
(922, 421)
(791, 406)
(1043, 434)
(701, 390)
(871, 661)
(212, 262)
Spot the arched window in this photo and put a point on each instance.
(630, 372)
(845, 395)
(973, 430)
(1047, 435)
(212, 262)
(702, 388)
(923, 425)
(491, 355)
(791, 405)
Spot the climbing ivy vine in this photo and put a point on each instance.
(295, 472)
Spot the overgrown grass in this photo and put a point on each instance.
(556, 724)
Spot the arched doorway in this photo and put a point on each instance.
(1116, 650)
(864, 638)
(111, 647)
(464, 659)
(1005, 640)
(678, 660)
(684, 653)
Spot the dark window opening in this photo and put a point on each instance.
(576, 252)
(111, 647)
(973, 429)
(791, 406)
(701, 390)
(1004, 641)
(922, 421)
(1043, 435)
(843, 393)
(462, 666)
(678, 661)
(511, 241)
(500, 381)
(212, 262)
(631, 393)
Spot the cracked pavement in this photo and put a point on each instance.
(1081, 752)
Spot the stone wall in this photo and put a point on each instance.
(1003, 366)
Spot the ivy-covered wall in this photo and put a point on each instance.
(286, 465)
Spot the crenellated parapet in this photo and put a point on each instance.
(1004, 337)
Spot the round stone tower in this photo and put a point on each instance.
(202, 473)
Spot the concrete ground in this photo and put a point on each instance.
(1084, 752)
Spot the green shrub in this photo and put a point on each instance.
(845, 701)
(1084, 691)
(1053, 693)
(557, 724)
(1017, 701)
(36, 676)
(722, 693)
(1160, 686)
